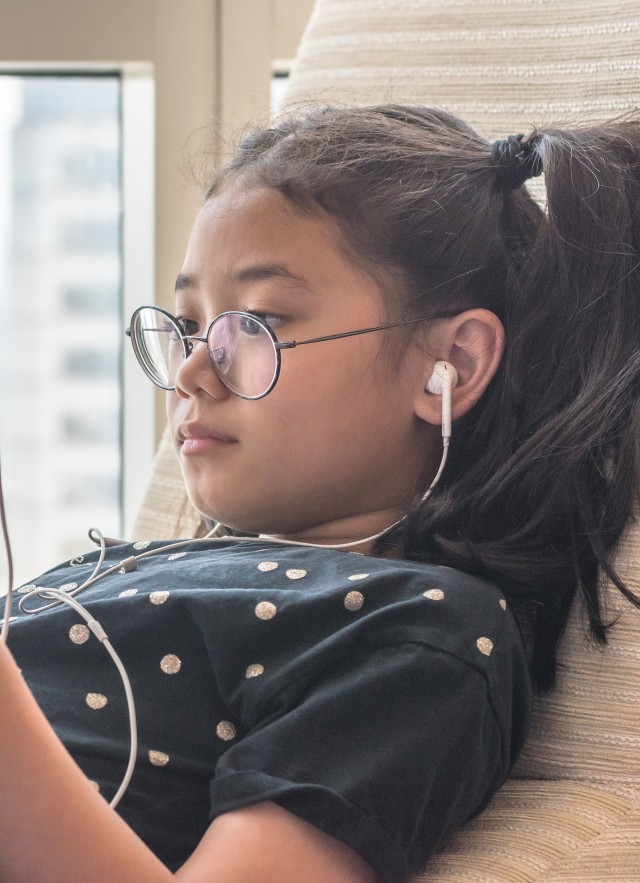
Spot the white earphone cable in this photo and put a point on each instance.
(62, 597)
(8, 601)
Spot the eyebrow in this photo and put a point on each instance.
(260, 272)
(184, 281)
(253, 273)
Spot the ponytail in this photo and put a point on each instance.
(557, 458)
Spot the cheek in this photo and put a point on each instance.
(329, 409)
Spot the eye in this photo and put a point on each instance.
(166, 328)
(187, 326)
(269, 319)
(249, 325)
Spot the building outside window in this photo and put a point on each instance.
(61, 318)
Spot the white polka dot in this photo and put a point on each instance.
(24, 590)
(96, 700)
(434, 594)
(158, 758)
(68, 587)
(358, 576)
(170, 664)
(296, 574)
(254, 671)
(141, 544)
(76, 561)
(265, 610)
(128, 593)
(485, 645)
(503, 603)
(266, 566)
(354, 600)
(225, 731)
(158, 598)
(79, 634)
(176, 555)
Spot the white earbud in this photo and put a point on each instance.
(441, 382)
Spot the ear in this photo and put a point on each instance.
(473, 342)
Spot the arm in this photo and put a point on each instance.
(283, 847)
(55, 827)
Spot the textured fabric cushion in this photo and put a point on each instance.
(554, 832)
(500, 64)
(588, 728)
(166, 512)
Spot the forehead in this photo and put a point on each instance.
(254, 238)
(244, 226)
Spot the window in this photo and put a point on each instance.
(61, 315)
(90, 236)
(90, 364)
(89, 298)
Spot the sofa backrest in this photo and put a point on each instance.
(499, 64)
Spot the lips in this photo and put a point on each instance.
(195, 429)
(197, 437)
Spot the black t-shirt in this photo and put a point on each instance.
(382, 701)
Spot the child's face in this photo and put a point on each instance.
(336, 445)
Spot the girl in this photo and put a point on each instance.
(329, 691)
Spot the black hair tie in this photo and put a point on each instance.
(515, 161)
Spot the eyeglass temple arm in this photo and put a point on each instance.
(290, 344)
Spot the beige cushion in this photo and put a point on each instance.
(588, 729)
(545, 831)
(500, 64)
(166, 512)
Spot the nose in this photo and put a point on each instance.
(196, 373)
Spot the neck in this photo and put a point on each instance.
(363, 545)
(358, 534)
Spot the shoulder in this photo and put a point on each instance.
(302, 608)
(312, 593)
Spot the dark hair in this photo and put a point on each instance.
(542, 473)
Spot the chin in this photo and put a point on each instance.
(256, 514)
(243, 523)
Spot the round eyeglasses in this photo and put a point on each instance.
(243, 350)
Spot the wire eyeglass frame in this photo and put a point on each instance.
(188, 340)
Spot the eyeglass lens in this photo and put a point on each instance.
(242, 354)
(241, 351)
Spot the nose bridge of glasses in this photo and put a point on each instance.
(198, 368)
(189, 338)
(190, 341)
